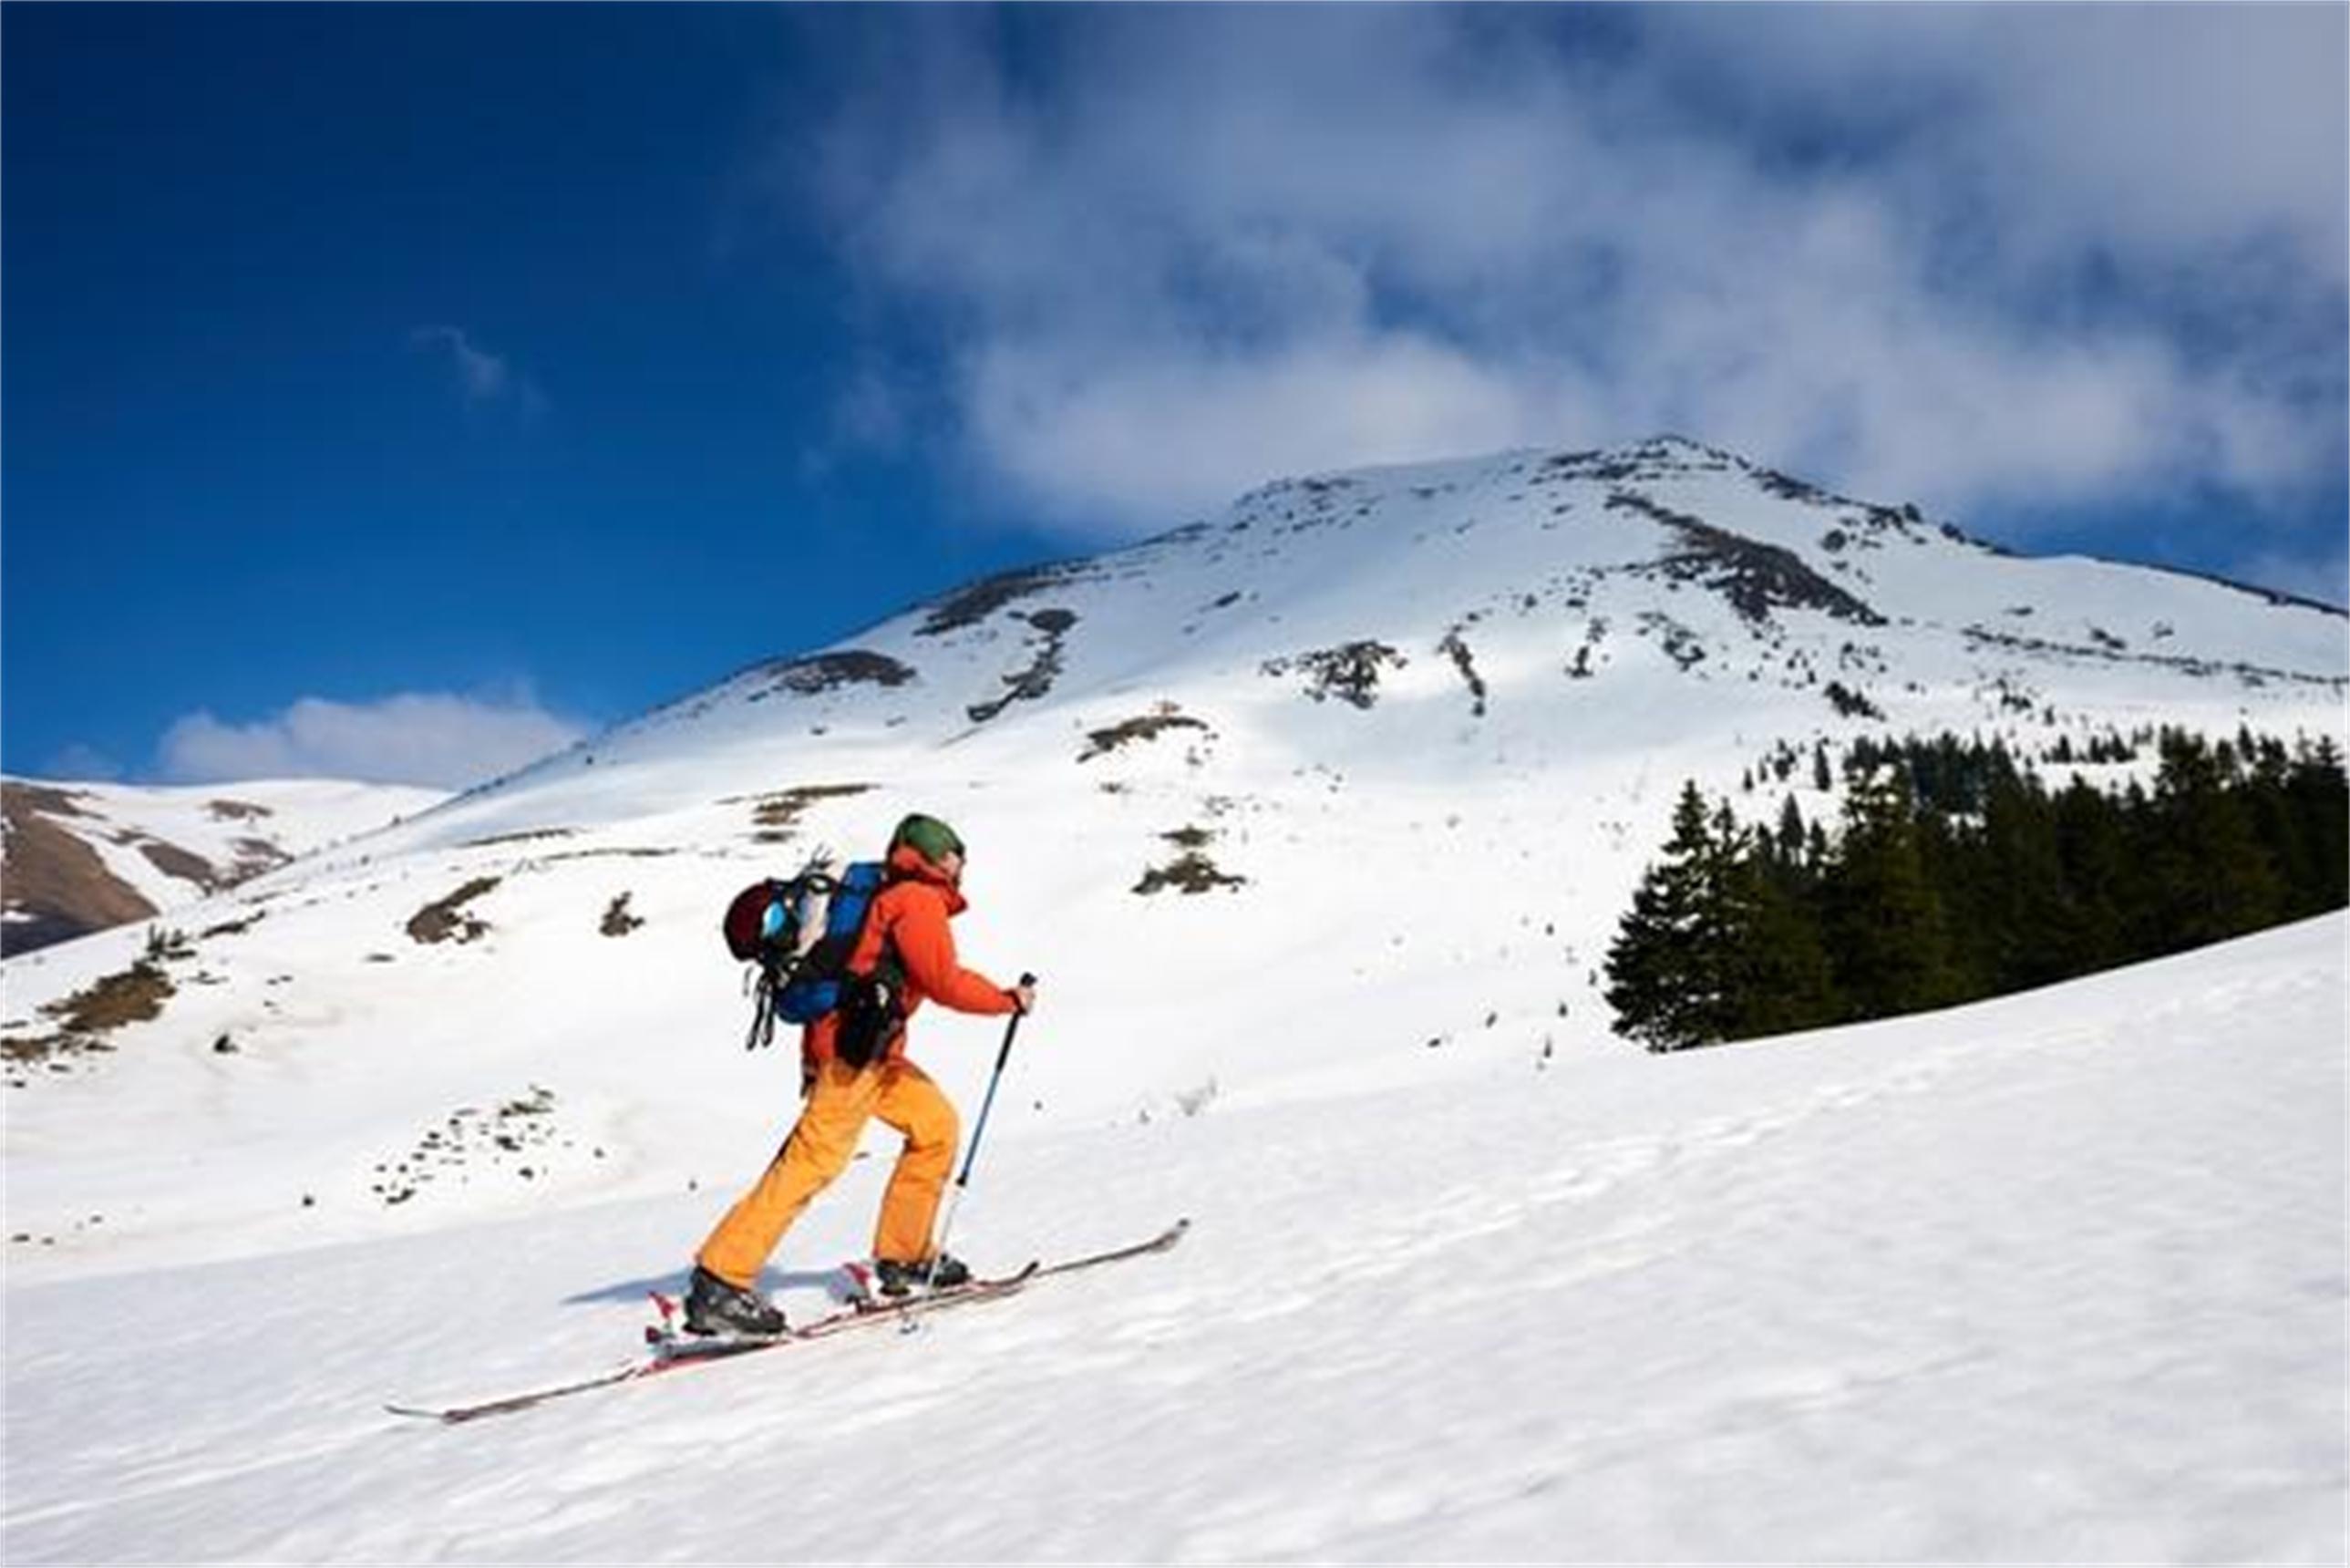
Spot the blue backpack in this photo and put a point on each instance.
(800, 933)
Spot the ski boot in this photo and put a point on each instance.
(898, 1280)
(713, 1307)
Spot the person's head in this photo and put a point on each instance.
(932, 839)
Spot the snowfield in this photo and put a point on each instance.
(2059, 1277)
(1316, 820)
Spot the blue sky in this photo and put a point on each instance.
(398, 392)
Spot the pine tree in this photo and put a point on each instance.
(2267, 787)
(2320, 797)
(1665, 967)
(1788, 842)
(2097, 870)
(1884, 919)
(2022, 905)
(1780, 978)
(2213, 876)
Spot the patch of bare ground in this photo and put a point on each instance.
(1456, 647)
(472, 1141)
(83, 1020)
(817, 673)
(974, 602)
(186, 865)
(1035, 680)
(527, 836)
(56, 883)
(1350, 672)
(1191, 871)
(1147, 727)
(234, 928)
(776, 816)
(445, 920)
(613, 853)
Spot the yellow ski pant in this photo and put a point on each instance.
(840, 1102)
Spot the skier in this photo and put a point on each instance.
(907, 928)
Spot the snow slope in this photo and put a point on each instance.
(1316, 818)
(2055, 1278)
(1404, 738)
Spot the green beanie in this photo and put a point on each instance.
(931, 839)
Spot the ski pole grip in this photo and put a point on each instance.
(1013, 1028)
(978, 1130)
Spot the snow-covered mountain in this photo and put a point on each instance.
(80, 858)
(1316, 817)
(1348, 786)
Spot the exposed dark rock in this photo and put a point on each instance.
(1191, 871)
(1457, 649)
(444, 920)
(617, 921)
(1789, 488)
(1028, 684)
(1148, 727)
(1755, 577)
(1679, 643)
(1349, 671)
(973, 603)
(821, 672)
(469, 1142)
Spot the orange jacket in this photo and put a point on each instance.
(911, 915)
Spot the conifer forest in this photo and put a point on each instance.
(1955, 872)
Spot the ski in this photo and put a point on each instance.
(669, 1351)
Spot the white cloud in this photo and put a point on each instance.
(2162, 130)
(2046, 253)
(442, 741)
(483, 379)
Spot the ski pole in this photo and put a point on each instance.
(971, 1155)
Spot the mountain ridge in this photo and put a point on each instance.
(1348, 785)
(82, 857)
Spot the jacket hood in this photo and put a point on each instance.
(908, 864)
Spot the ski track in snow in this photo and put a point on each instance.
(2060, 1277)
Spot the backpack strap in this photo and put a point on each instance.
(763, 986)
